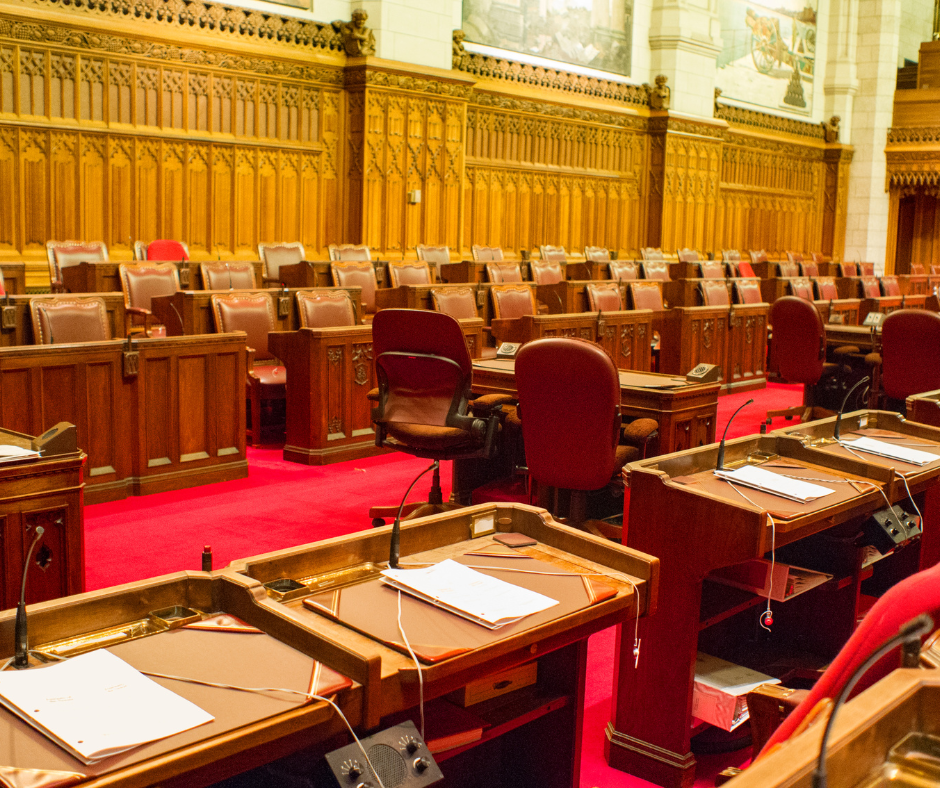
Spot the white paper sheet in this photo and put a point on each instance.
(775, 484)
(891, 450)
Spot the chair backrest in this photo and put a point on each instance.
(848, 269)
(61, 320)
(890, 286)
(604, 297)
(597, 254)
(352, 273)
(435, 256)
(714, 292)
(866, 269)
(569, 400)
(402, 273)
(870, 287)
(798, 338)
(809, 269)
(143, 281)
(546, 273)
(645, 295)
(788, 269)
(757, 256)
(553, 254)
(935, 270)
(63, 254)
(917, 269)
(910, 361)
(274, 255)
(343, 252)
(711, 269)
(826, 288)
(623, 270)
(731, 255)
(486, 254)
(326, 309)
(795, 257)
(228, 276)
(802, 288)
(688, 256)
(499, 272)
(817, 257)
(651, 254)
(748, 291)
(744, 269)
(252, 313)
(458, 302)
(165, 250)
(423, 366)
(512, 301)
(655, 269)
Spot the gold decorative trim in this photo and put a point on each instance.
(490, 67)
(385, 79)
(497, 101)
(749, 118)
(923, 135)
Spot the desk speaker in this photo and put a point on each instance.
(704, 373)
(398, 755)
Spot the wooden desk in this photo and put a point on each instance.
(463, 272)
(21, 332)
(106, 278)
(249, 729)
(569, 296)
(924, 408)
(914, 284)
(189, 312)
(863, 337)
(582, 269)
(542, 725)
(419, 297)
(178, 423)
(696, 524)
(777, 287)
(14, 278)
(889, 304)
(847, 307)
(305, 274)
(45, 492)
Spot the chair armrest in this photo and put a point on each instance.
(373, 395)
(138, 310)
(487, 403)
(640, 433)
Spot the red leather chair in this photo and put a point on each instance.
(165, 251)
(623, 271)
(434, 256)
(848, 269)
(714, 292)
(655, 269)
(63, 254)
(141, 282)
(866, 269)
(604, 297)
(650, 254)
(253, 313)
(546, 272)
(802, 288)
(553, 254)
(510, 302)
(788, 270)
(645, 295)
(227, 276)
(747, 291)
(809, 269)
(499, 272)
(274, 255)
(63, 320)
(795, 257)
(826, 289)
(711, 269)
(917, 269)
(798, 351)
(688, 256)
(423, 402)
(910, 353)
(890, 286)
(870, 287)
(349, 252)
(353, 273)
(757, 256)
(323, 309)
(458, 302)
(486, 254)
(731, 256)
(409, 274)
(597, 254)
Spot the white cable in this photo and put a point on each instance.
(767, 616)
(911, 499)
(404, 637)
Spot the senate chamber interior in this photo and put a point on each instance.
(469, 393)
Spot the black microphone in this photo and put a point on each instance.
(910, 634)
(721, 446)
(394, 549)
(835, 432)
(21, 636)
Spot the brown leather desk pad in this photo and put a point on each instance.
(780, 508)
(888, 436)
(435, 634)
(238, 658)
(639, 380)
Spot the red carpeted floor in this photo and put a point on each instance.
(281, 505)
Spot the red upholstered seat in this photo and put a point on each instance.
(323, 309)
(63, 254)
(890, 286)
(757, 256)
(274, 255)
(655, 269)
(648, 253)
(826, 288)
(553, 254)
(270, 375)
(866, 269)
(458, 302)
(802, 288)
(597, 254)
(503, 272)
(141, 283)
(409, 274)
(788, 269)
(711, 269)
(546, 272)
(486, 254)
(748, 291)
(645, 295)
(714, 292)
(870, 287)
(62, 320)
(623, 271)
(917, 269)
(604, 297)
(350, 252)
(167, 251)
(848, 269)
(910, 352)
(795, 257)
(744, 269)
(731, 256)
(688, 256)
(434, 256)
(512, 301)
(809, 269)
(227, 276)
(356, 274)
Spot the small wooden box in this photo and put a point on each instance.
(497, 684)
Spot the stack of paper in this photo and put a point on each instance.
(473, 595)
(774, 483)
(10, 453)
(96, 705)
(891, 451)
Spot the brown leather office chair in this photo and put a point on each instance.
(688, 256)
(402, 273)
(714, 292)
(353, 273)
(870, 287)
(325, 309)
(63, 254)
(866, 269)
(165, 251)
(655, 269)
(788, 270)
(62, 320)
(141, 282)
(569, 404)
(553, 254)
(499, 272)
(711, 269)
(604, 297)
(848, 269)
(347, 252)
(890, 286)
(434, 256)
(227, 276)
(623, 271)
(253, 313)
(910, 354)
(597, 254)
(747, 291)
(423, 406)
(274, 255)
(802, 288)
(826, 289)
(458, 302)
(486, 254)
(650, 254)
(546, 272)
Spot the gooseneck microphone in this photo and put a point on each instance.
(835, 432)
(394, 549)
(21, 635)
(721, 446)
(909, 638)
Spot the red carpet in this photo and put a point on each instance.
(281, 505)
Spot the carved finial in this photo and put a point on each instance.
(358, 39)
(659, 95)
(717, 96)
(831, 128)
(457, 47)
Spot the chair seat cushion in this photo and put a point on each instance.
(422, 436)
(640, 429)
(271, 375)
(624, 455)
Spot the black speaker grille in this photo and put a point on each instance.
(389, 764)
